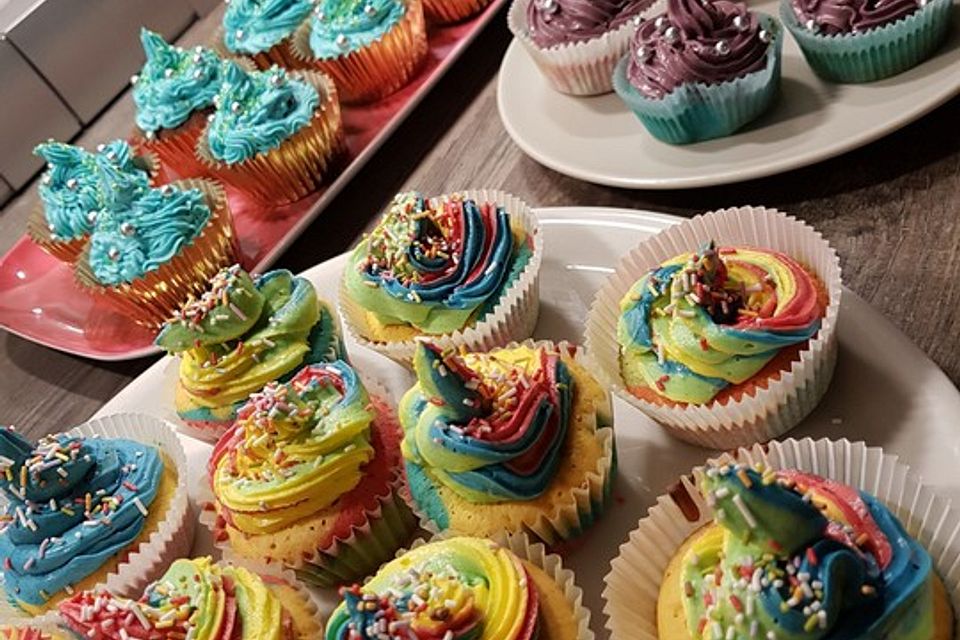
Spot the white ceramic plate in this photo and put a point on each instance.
(886, 391)
(597, 139)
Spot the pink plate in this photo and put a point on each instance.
(40, 302)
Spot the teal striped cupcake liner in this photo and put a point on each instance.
(698, 111)
(875, 54)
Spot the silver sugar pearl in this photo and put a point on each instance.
(101, 147)
(111, 156)
(923, 3)
(113, 253)
(642, 54)
(319, 14)
(722, 47)
(342, 41)
(198, 49)
(210, 118)
(72, 183)
(276, 79)
(660, 23)
(197, 57)
(51, 228)
(637, 20)
(149, 135)
(127, 229)
(370, 10)
(238, 34)
(166, 190)
(46, 179)
(740, 23)
(671, 34)
(134, 79)
(198, 74)
(168, 73)
(765, 36)
(811, 24)
(549, 6)
(235, 107)
(92, 216)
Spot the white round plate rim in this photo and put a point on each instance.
(519, 81)
(648, 458)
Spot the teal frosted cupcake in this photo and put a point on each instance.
(274, 135)
(702, 70)
(261, 29)
(370, 48)
(866, 40)
(71, 192)
(152, 248)
(174, 93)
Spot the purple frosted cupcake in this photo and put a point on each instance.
(701, 70)
(866, 40)
(576, 43)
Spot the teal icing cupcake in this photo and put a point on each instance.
(274, 135)
(258, 28)
(688, 83)
(370, 48)
(72, 192)
(862, 42)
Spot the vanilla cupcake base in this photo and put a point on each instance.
(633, 584)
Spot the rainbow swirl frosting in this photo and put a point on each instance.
(72, 188)
(702, 322)
(243, 333)
(257, 112)
(491, 427)
(294, 450)
(455, 589)
(436, 264)
(338, 27)
(795, 556)
(253, 26)
(173, 83)
(73, 503)
(196, 599)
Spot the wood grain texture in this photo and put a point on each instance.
(892, 210)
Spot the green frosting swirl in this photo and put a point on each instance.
(257, 112)
(173, 83)
(253, 26)
(338, 27)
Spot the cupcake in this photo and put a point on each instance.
(866, 40)
(44, 628)
(370, 48)
(463, 587)
(309, 477)
(765, 550)
(461, 269)
(202, 599)
(261, 29)
(83, 511)
(576, 43)
(450, 11)
(151, 248)
(721, 343)
(173, 94)
(275, 136)
(72, 192)
(516, 439)
(701, 70)
(240, 334)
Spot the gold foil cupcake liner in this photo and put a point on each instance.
(279, 54)
(69, 250)
(766, 413)
(300, 165)
(175, 147)
(633, 584)
(325, 556)
(376, 70)
(152, 298)
(149, 558)
(450, 11)
(580, 505)
(512, 319)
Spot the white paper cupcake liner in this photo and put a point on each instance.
(322, 563)
(633, 584)
(585, 504)
(513, 318)
(173, 537)
(536, 554)
(579, 68)
(767, 413)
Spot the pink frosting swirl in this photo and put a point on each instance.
(832, 17)
(696, 41)
(553, 22)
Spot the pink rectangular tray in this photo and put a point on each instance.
(40, 302)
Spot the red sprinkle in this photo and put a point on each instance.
(704, 345)
(735, 601)
(812, 557)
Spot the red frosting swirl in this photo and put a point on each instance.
(696, 41)
(832, 17)
(554, 22)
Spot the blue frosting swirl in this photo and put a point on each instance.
(173, 83)
(258, 112)
(52, 539)
(72, 189)
(253, 26)
(341, 26)
(140, 231)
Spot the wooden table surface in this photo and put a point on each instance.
(892, 210)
